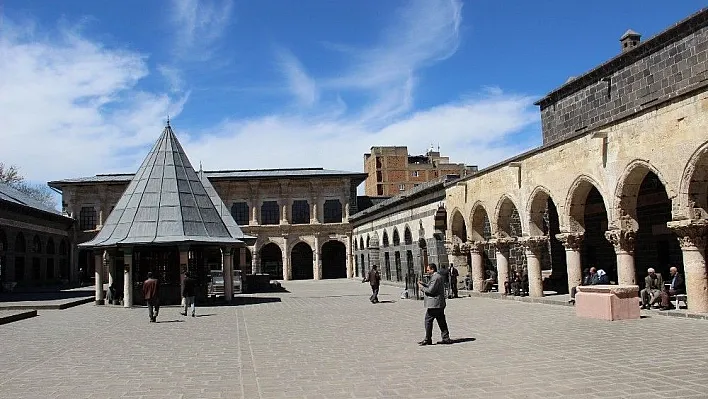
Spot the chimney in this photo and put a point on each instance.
(629, 40)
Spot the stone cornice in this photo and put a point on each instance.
(691, 233)
(571, 241)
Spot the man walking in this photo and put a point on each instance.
(434, 303)
(374, 278)
(188, 288)
(151, 293)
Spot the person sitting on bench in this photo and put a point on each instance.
(490, 281)
(677, 287)
(590, 278)
(653, 285)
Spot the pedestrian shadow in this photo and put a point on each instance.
(171, 321)
(387, 301)
(205, 315)
(463, 340)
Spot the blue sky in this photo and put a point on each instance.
(85, 86)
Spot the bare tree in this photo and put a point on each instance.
(12, 177)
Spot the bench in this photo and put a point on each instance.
(681, 298)
(607, 302)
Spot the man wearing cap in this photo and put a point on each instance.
(651, 294)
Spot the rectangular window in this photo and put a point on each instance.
(239, 211)
(401, 187)
(301, 212)
(270, 213)
(414, 173)
(87, 218)
(332, 211)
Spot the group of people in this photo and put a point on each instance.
(655, 292)
(151, 294)
(591, 276)
(433, 301)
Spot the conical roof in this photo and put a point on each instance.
(168, 203)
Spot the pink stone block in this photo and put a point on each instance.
(607, 302)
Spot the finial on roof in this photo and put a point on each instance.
(168, 120)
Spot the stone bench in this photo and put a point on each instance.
(607, 302)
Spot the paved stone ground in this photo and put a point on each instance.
(325, 340)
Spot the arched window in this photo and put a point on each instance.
(62, 248)
(396, 238)
(407, 236)
(385, 239)
(36, 245)
(20, 244)
(50, 246)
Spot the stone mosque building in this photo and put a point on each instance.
(620, 182)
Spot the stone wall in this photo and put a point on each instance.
(659, 69)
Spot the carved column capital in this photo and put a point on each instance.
(535, 244)
(691, 233)
(571, 241)
(476, 247)
(622, 239)
(502, 244)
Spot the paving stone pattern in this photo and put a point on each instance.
(325, 340)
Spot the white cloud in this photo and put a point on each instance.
(70, 107)
(198, 25)
(300, 84)
(173, 77)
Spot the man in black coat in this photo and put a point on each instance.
(374, 278)
(676, 287)
(189, 286)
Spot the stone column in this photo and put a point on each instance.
(98, 265)
(255, 208)
(111, 263)
(476, 257)
(128, 277)
(314, 216)
(349, 263)
(623, 241)
(573, 243)
(255, 262)
(317, 261)
(501, 246)
(534, 245)
(284, 211)
(287, 267)
(693, 235)
(227, 267)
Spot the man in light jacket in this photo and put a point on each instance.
(434, 303)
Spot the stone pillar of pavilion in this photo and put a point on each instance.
(573, 243)
(317, 259)
(693, 235)
(98, 265)
(287, 267)
(255, 262)
(349, 256)
(111, 265)
(476, 249)
(242, 257)
(533, 246)
(623, 241)
(501, 247)
(128, 277)
(227, 267)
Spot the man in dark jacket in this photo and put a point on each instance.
(676, 287)
(434, 303)
(151, 293)
(453, 280)
(188, 292)
(374, 278)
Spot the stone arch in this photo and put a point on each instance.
(334, 259)
(36, 244)
(361, 243)
(624, 210)
(271, 257)
(302, 261)
(536, 209)
(385, 239)
(396, 237)
(576, 201)
(20, 243)
(374, 240)
(368, 240)
(506, 214)
(479, 223)
(356, 244)
(458, 225)
(407, 236)
(693, 191)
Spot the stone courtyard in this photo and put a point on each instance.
(323, 339)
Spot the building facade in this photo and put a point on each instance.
(621, 182)
(298, 216)
(35, 243)
(391, 170)
(398, 233)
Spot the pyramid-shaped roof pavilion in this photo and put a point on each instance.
(166, 203)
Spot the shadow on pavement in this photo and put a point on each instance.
(43, 296)
(205, 315)
(463, 340)
(171, 321)
(386, 301)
